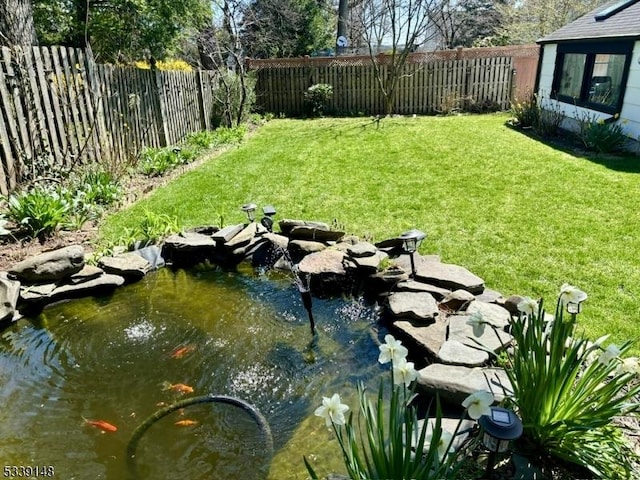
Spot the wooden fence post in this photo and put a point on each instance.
(158, 97)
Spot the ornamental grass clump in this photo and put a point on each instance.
(386, 441)
(567, 390)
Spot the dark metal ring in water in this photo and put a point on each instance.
(144, 426)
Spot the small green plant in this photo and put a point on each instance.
(158, 161)
(317, 98)
(387, 442)
(99, 188)
(39, 210)
(530, 113)
(603, 136)
(527, 112)
(156, 226)
(567, 390)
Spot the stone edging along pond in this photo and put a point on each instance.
(428, 310)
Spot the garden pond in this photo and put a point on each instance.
(176, 334)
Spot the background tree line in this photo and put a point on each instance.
(121, 31)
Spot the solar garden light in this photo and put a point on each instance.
(574, 307)
(249, 209)
(411, 241)
(267, 222)
(499, 428)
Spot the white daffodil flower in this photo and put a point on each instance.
(571, 294)
(404, 372)
(611, 352)
(478, 404)
(443, 444)
(392, 350)
(476, 321)
(528, 306)
(629, 365)
(332, 410)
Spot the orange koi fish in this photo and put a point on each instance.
(100, 425)
(177, 387)
(180, 352)
(186, 423)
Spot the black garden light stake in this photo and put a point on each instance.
(499, 428)
(267, 221)
(411, 241)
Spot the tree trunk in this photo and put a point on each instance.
(16, 23)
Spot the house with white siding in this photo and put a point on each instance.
(591, 67)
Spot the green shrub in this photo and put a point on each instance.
(526, 113)
(100, 188)
(601, 135)
(530, 114)
(317, 98)
(158, 161)
(218, 137)
(39, 210)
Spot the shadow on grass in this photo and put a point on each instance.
(569, 144)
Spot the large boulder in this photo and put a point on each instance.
(188, 248)
(327, 272)
(50, 266)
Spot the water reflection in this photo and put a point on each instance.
(215, 332)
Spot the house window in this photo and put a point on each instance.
(592, 75)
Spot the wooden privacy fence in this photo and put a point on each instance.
(58, 108)
(430, 82)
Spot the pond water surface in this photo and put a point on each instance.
(115, 359)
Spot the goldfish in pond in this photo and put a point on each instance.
(177, 387)
(186, 423)
(180, 352)
(100, 425)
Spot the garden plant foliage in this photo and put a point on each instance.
(387, 442)
(567, 390)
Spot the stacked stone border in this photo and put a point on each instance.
(428, 310)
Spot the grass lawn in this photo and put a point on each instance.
(523, 215)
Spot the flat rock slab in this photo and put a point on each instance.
(50, 266)
(419, 306)
(446, 275)
(414, 286)
(286, 225)
(455, 383)
(326, 261)
(47, 293)
(429, 338)
(189, 242)
(494, 314)
(316, 234)
(298, 249)
(227, 233)
(454, 352)
(494, 340)
(128, 265)
(362, 249)
(88, 272)
(369, 265)
(456, 301)
(243, 237)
